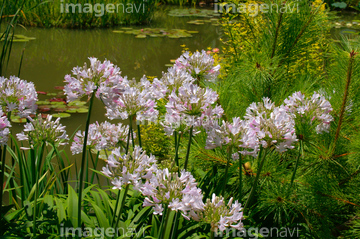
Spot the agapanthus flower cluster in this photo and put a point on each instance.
(270, 126)
(18, 96)
(130, 168)
(102, 77)
(171, 81)
(227, 134)
(221, 216)
(41, 130)
(136, 100)
(314, 110)
(199, 64)
(4, 128)
(100, 136)
(176, 192)
(190, 106)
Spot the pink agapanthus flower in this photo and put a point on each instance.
(103, 78)
(18, 96)
(4, 128)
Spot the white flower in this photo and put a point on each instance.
(100, 136)
(130, 168)
(179, 193)
(4, 128)
(104, 78)
(199, 64)
(135, 100)
(41, 130)
(191, 106)
(17, 95)
(220, 216)
(314, 111)
(269, 126)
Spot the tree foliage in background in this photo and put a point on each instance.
(83, 13)
(273, 55)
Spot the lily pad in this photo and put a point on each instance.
(20, 40)
(82, 110)
(17, 119)
(341, 5)
(72, 111)
(61, 115)
(76, 103)
(57, 103)
(43, 102)
(140, 36)
(159, 32)
(44, 108)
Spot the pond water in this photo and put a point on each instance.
(56, 51)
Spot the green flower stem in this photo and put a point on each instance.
(65, 174)
(127, 186)
(188, 148)
(122, 204)
(175, 138)
(139, 134)
(261, 157)
(301, 153)
(227, 169)
(131, 130)
(240, 177)
(83, 160)
(37, 187)
(33, 165)
(177, 146)
(174, 232)
(87, 171)
(116, 206)
(212, 236)
(95, 166)
(164, 222)
(128, 139)
(21, 169)
(127, 150)
(2, 155)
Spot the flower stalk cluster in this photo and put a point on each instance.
(103, 78)
(18, 96)
(199, 64)
(314, 111)
(4, 128)
(41, 130)
(190, 107)
(136, 100)
(272, 126)
(220, 216)
(130, 168)
(101, 136)
(170, 189)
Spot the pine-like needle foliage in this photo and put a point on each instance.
(273, 55)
